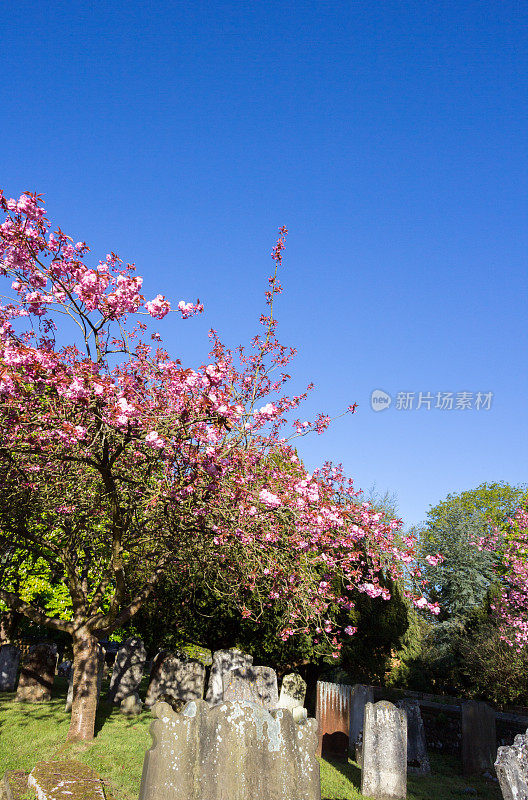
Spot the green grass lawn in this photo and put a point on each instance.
(30, 733)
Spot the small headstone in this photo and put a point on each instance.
(14, 785)
(333, 718)
(101, 653)
(9, 658)
(37, 673)
(479, 739)
(384, 770)
(361, 695)
(254, 684)
(69, 780)
(128, 670)
(64, 670)
(293, 691)
(224, 661)
(511, 767)
(417, 758)
(176, 678)
(235, 750)
(131, 705)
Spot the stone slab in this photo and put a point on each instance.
(230, 751)
(37, 674)
(361, 695)
(9, 659)
(176, 678)
(479, 738)
(417, 758)
(511, 767)
(224, 661)
(293, 691)
(128, 670)
(384, 759)
(65, 780)
(254, 684)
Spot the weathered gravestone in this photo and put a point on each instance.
(101, 653)
(232, 751)
(128, 670)
(511, 767)
(292, 696)
(417, 758)
(70, 780)
(384, 767)
(224, 661)
(293, 691)
(479, 739)
(361, 695)
(37, 674)
(333, 718)
(131, 705)
(9, 658)
(177, 679)
(254, 684)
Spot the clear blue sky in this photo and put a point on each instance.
(391, 138)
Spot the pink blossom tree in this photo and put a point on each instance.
(117, 461)
(509, 544)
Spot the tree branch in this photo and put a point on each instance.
(34, 614)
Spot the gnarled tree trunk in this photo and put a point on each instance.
(85, 673)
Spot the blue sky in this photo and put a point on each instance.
(391, 138)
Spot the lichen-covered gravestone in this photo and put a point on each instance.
(333, 718)
(384, 769)
(37, 673)
(254, 684)
(224, 661)
(128, 670)
(177, 678)
(65, 780)
(479, 738)
(511, 767)
(9, 658)
(232, 751)
(417, 758)
(361, 695)
(101, 653)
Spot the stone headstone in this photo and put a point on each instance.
(101, 653)
(37, 673)
(224, 661)
(128, 670)
(293, 691)
(232, 751)
(417, 758)
(9, 658)
(333, 718)
(254, 684)
(511, 767)
(361, 695)
(131, 705)
(384, 769)
(64, 670)
(176, 678)
(479, 739)
(66, 780)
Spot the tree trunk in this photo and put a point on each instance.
(85, 670)
(8, 625)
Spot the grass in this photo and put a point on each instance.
(37, 732)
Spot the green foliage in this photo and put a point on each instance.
(461, 582)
